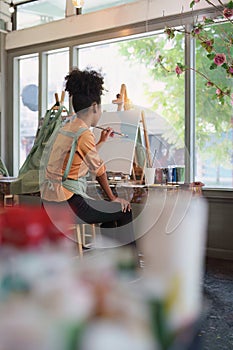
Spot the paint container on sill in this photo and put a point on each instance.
(180, 172)
(158, 175)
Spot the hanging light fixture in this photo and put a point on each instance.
(12, 7)
(78, 3)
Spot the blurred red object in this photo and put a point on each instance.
(24, 226)
(59, 221)
(1, 224)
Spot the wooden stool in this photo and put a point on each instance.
(81, 236)
(8, 200)
(6, 197)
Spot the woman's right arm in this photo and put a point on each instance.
(95, 164)
(103, 181)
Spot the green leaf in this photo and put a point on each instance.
(210, 56)
(192, 4)
(213, 66)
(180, 65)
(227, 91)
(225, 66)
(230, 5)
(208, 21)
(221, 100)
(209, 48)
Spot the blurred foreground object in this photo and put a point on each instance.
(51, 300)
(173, 246)
(31, 226)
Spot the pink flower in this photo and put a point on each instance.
(228, 13)
(208, 45)
(197, 31)
(209, 42)
(230, 70)
(159, 59)
(209, 84)
(170, 32)
(218, 92)
(219, 59)
(178, 70)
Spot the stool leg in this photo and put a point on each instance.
(93, 233)
(8, 200)
(79, 240)
(84, 235)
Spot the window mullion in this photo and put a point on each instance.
(189, 107)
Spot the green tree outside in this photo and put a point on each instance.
(213, 116)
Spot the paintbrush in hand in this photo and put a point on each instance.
(114, 132)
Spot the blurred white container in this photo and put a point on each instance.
(173, 229)
(149, 176)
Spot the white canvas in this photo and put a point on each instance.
(118, 151)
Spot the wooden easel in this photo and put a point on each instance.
(122, 100)
(137, 170)
(58, 102)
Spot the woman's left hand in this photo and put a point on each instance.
(125, 205)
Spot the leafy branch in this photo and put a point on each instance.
(222, 59)
(180, 69)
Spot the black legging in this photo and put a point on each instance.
(115, 224)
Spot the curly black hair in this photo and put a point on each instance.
(85, 87)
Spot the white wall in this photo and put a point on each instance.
(98, 21)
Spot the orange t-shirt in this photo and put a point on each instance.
(86, 158)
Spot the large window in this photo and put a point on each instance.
(58, 67)
(91, 6)
(32, 13)
(28, 104)
(214, 121)
(160, 96)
